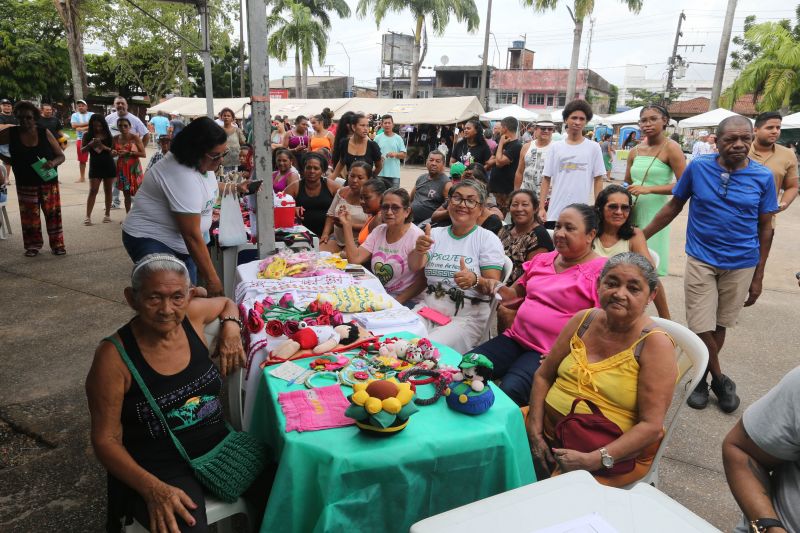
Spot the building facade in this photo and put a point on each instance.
(318, 86)
(546, 89)
(400, 87)
(636, 79)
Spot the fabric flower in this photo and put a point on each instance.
(286, 300)
(310, 321)
(268, 302)
(324, 320)
(242, 313)
(259, 308)
(291, 326)
(337, 319)
(274, 328)
(254, 322)
(313, 307)
(326, 308)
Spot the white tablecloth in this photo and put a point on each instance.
(249, 289)
(531, 508)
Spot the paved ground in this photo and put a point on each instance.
(54, 310)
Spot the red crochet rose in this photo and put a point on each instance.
(274, 328)
(324, 320)
(254, 322)
(326, 308)
(291, 326)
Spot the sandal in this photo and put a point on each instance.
(87, 221)
(59, 251)
(31, 253)
(106, 219)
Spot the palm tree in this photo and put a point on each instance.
(301, 32)
(439, 12)
(579, 11)
(319, 12)
(774, 74)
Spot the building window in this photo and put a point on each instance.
(506, 98)
(422, 94)
(535, 99)
(397, 94)
(562, 99)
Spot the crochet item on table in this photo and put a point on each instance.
(355, 299)
(313, 409)
(395, 317)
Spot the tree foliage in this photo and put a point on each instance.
(770, 55)
(33, 53)
(224, 65)
(639, 97)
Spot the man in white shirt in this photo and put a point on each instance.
(573, 169)
(137, 127)
(701, 146)
(529, 176)
(80, 123)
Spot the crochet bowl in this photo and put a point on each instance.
(381, 406)
(460, 397)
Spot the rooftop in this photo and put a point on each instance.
(744, 105)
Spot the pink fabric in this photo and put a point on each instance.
(552, 299)
(312, 409)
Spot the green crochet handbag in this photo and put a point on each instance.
(230, 467)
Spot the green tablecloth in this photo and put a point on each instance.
(344, 480)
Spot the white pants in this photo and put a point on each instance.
(465, 330)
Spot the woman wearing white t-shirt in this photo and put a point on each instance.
(173, 207)
(461, 264)
(388, 246)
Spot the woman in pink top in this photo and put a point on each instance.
(554, 286)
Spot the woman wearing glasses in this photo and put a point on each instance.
(461, 264)
(388, 246)
(616, 234)
(651, 167)
(172, 213)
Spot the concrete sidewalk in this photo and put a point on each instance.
(54, 310)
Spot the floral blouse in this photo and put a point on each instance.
(518, 247)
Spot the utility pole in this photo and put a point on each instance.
(589, 49)
(484, 69)
(241, 48)
(391, 68)
(205, 53)
(673, 60)
(722, 55)
(259, 103)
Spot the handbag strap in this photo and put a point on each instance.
(647, 171)
(153, 405)
(596, 410)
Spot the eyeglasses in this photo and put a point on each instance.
(469, 203)
(618, 207)
(393, 208)
(547, 129)
(724, 181)
(217, 157)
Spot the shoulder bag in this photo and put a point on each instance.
(646, 172)
(230, 467)
(588, 432)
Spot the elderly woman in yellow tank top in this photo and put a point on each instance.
(617, 358)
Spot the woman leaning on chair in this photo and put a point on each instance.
(615, 357)
(147, 478)
(461, 264)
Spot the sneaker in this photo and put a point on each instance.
(115, 206)
(698, 399)
(725, 390)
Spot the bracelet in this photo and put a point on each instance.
(477, 281)
(310, 385)
(232, 319)
(441, 384)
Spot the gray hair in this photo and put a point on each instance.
(155, 263)
(473, 184)
(633, 259)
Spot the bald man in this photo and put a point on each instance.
(727, 243)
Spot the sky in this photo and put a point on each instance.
(619, 37)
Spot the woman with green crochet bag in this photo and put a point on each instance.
(157, 419)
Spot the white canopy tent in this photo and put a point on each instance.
(631, 116)
(707, 120)
(519, 113)
(791, 122)
(405, 111)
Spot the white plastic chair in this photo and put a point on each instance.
(655, 256)
(508, 266)
(217, 511)
(692, 355)
(5, 223)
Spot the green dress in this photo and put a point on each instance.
(647, 205)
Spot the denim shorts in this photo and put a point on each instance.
(138, 247)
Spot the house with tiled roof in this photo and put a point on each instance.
(745, 105)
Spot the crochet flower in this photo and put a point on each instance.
(274, 328)
(268, 302)
(381, 404)
(291, 326)
(313, 307)
(337, 319)
(286, 300)
(254, 322)
(326, 308)
(323, 320)
(259, 308)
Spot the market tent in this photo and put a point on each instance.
(631, 116)
(196, 107)
(294, 107)
(791, 122)
(519, 113)
(707, 120)
(418, 110)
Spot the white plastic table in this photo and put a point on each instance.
(566, 497)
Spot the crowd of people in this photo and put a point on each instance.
(574, 269)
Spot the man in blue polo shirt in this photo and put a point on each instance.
(728, 237)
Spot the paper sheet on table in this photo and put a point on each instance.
(591, 523)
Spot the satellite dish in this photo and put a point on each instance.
(444, 60)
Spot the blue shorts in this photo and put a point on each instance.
(138, 247)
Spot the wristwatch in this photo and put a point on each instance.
(761, 525)
(606, 459)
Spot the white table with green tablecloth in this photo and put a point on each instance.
(344, 479)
